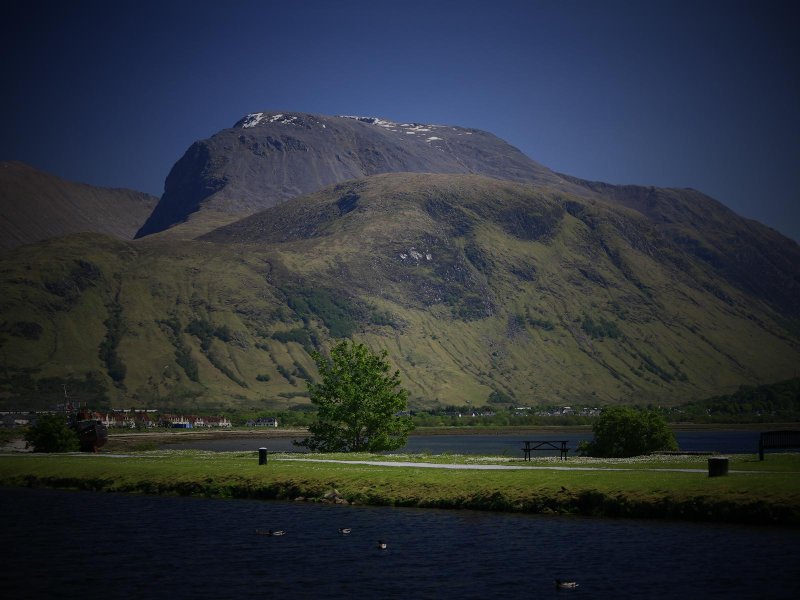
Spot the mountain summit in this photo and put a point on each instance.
(269, 157)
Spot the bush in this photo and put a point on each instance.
(339, 314)
(183, 354)
(498, 397)
(621, 432)
(115, 328)
(203, 330)
(27, 329)
(601, 328)
(286, 374)
(298, 335)
(52, 434)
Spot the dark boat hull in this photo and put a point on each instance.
(92, 434)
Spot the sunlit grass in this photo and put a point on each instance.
(754, 491)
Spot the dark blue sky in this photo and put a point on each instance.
(686, 94)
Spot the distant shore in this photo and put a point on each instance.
(510, 429)
(123, 440)
(119, 440)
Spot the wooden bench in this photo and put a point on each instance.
(777, 440)
(559, 446)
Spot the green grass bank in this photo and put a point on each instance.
(763, 493)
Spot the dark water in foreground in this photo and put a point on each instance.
(59, 544)
(707, 441)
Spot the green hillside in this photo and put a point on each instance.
(471, 284)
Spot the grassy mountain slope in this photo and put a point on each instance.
(751, 256)
(35, 206)
(471, 284)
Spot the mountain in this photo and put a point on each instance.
(477, 287)
(482, 273)
(35, 206)
(267, 158)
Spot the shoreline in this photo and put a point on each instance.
(127, 440)
(446, 430)
(213, 434)
(755, 493)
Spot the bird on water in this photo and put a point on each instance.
(381, 545)
(565, 585)
(270, 532)
(344, 530)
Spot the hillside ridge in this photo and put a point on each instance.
(35, 206)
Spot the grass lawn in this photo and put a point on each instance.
(765, 492)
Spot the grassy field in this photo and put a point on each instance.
(649, 487)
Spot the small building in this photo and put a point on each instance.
(175, 422)
(218, 422)
(196, 421)
(13, 420)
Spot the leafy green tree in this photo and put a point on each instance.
(52, 434)
(358, 402)
(621, 431)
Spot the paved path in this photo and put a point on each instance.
(420, 465)
(379, 463)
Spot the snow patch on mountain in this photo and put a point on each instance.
(410, 128)
(372, 121)
(415, 255)
(253, 119)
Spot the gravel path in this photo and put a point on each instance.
(489, 467)
(420, 465)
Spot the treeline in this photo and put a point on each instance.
(749, 404)
(299, 415)
(455, 416)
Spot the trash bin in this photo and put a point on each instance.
(262, 456)
(717, 466)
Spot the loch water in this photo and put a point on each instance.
(62, 544)
(725, 441)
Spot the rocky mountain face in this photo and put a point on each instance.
(483, 274)
(267, 158)
(35, 206)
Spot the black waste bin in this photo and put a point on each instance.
(262, 456)
(717, 466)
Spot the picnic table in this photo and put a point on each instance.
(559, 446)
